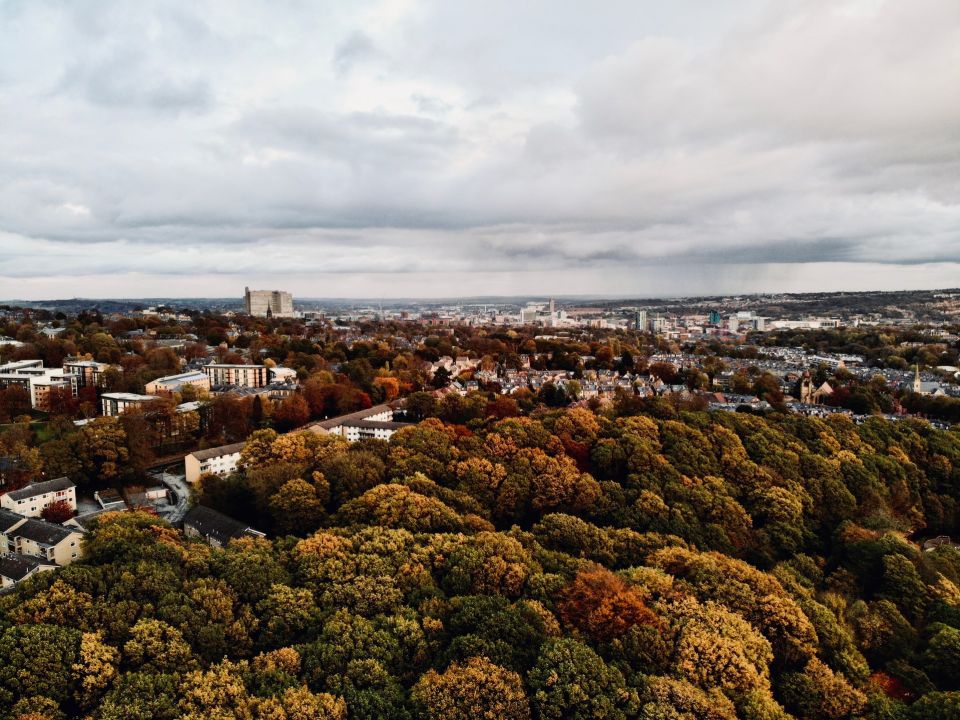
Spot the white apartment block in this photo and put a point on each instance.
(375, 422)
(221, 460)
(39, 381)
(32, 500)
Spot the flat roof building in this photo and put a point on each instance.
(175, 383)
(251, 376)
(114, 404)
(89, 373)
(39, 381)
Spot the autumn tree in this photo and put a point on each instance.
(475, 689)
(602, 605)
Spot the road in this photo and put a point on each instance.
(178, 486)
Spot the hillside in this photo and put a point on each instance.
(571, 565)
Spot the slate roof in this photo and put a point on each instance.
(218, 451)
(212, 524)
(85, 521)
(43, 532)
(378, 424)
(41, 488)
(16, 567)
(351, 418)
(8, 519)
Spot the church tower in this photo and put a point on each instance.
(806, 389)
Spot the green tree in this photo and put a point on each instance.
(571, 682)
(38, 660)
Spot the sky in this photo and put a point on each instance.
(395, 148)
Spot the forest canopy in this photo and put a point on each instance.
(565, 565)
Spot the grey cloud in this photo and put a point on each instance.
(270, 139)
(357, 48)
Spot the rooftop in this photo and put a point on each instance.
(212, 524)
(351, 418)
(41, 488)
(180, 377)
(218, 451)
(43, 532)
(16, 567)
(129, 397)
(8, 519)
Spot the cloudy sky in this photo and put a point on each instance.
(401, 148)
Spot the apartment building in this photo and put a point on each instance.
(221, 460)
(32, 500)
(114, 404)
(39, 381)
(252, 376)
(375, 422)
(89, 373)
(176, 383)
(39, 538)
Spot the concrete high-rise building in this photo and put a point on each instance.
(267, 303)
(640, 320)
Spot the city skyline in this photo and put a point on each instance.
(416, 149)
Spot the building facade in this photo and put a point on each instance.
(89, 373)
(39, 381)
(175, 383)
(252, 376)
(32, 500)
(268, 303)
(38, 538)
(375, 422)
(114, 404)
(221, 460)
